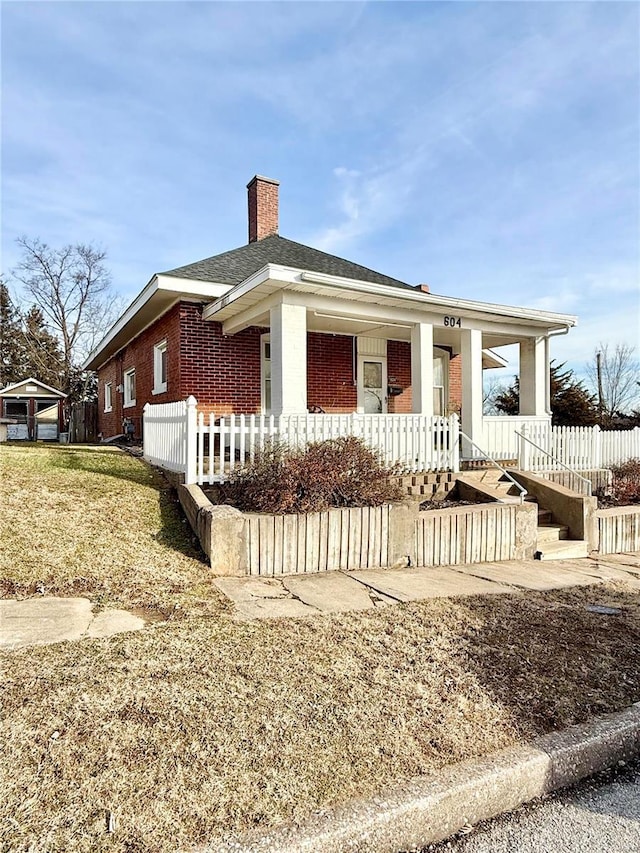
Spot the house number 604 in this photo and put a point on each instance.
(452, 321)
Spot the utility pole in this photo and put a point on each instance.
(600, 392)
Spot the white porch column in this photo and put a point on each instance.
(288, 359)
(534, 376)
(422, 369)
(471, 351)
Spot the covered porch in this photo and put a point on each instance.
(410, 351)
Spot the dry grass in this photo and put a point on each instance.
(96, 522)
(202, 726)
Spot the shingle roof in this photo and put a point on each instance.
(236, 265)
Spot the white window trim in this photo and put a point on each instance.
(158, 386)
(108, 408)
(127, 404)
(264, 339)
(445, 356)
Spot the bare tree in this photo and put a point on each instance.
(72, 288)
(493, 387)
(613, 375)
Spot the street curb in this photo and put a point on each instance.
(431, 808)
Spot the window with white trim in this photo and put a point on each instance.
(129, 387)
(265, 359)
(440, 381)
(160, 368)
(108, 405)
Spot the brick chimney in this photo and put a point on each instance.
(262, 196)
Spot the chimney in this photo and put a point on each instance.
(424, 288)
(262, 196)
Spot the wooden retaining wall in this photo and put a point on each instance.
(478, 534)
(360, 538)
(618, 529)
(318, 542)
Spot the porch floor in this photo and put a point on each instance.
(334, 592)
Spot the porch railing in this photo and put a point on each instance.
(207, 448)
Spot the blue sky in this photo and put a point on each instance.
(490, 150)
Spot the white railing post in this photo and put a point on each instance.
(523, 454)
(191, 438)
(145, 437)
(454, 442)
(596, 446)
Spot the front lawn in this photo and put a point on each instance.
(200, 725)
(95, 521)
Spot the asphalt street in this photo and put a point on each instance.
(601, 815)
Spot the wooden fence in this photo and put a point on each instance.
(477, 534)
(344, 539)
(618, 529)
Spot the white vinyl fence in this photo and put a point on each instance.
(166, 428)
(500, 438)
(577, 448)
(207, 448)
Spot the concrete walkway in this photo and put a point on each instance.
(337, 592)
(41, 621)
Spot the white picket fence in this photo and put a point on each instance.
(577, 448)
(208, 448)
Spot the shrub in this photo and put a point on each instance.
(625, 488)
(340, 472)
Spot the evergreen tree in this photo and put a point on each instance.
(42, 356)
(571, 403)
(11, 340)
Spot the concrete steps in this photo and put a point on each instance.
(552, 532)
(565, 549)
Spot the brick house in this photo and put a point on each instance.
(278, 327)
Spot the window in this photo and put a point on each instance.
(160, 368)
(440, 380)
(107, 397)
(266, 373)
(130, 387)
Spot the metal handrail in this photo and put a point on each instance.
(559, 461)
(486, 456)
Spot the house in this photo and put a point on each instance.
(32, 411)
(278, 327)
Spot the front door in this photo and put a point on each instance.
(372, 385)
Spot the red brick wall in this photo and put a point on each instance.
(330, 372)
(399, 373)
(222, 372)
(455, 383)
(139, 354)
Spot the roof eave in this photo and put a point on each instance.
(550, 320)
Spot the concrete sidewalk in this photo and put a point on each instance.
(337, 592)
(42, 620)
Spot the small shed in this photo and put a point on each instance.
(32, 411)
